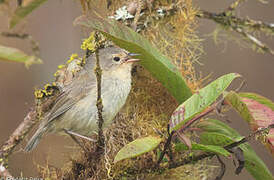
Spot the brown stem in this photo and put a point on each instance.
(99, 104)
(247, 138)
(223, 168)
(167, 144)
(199, 116)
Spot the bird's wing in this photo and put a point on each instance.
(71, 94)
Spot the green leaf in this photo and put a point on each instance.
(137, 148)
(199, 101)
(235, 101)
(257, 111)
(13, 54)
(202, 147)
(213, 138)
(22, 11)
(154, 61)
(216, 126)
(220, 134)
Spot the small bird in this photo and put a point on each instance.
(75, 108)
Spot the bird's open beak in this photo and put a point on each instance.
(130, 57)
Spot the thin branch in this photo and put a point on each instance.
(191, 160)
(241, 26)
(15, 35)
(250, 136)
(99, 104)
(198, 117)
(19, 134)
(166, 147)
(255, 41)
(235, 22)
(223, 168)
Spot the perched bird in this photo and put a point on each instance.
(75, 108)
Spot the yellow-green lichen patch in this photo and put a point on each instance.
(89, 43)
(48, 90)
(72, 57)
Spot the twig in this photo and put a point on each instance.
(191, 159)
(247, 138)
(239, 155)
(199, 116)
(15, 35)
(99, 104)
(222, 172)
(235, 22)
(240, 26)
(18, 135)
(166, 147)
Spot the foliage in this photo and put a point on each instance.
(200, 101)
(220, 134)
(201, 147)
(257, 111)
(137, 148)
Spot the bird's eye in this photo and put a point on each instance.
(116, 58)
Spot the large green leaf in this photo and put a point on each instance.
(218, 133)
(199, 101)
(137, 148)
(257, 111)
(154, 61)
(202, 147)
(13, 54)
(22, 11)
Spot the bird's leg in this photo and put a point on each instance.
(73, 136)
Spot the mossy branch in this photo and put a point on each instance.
(92, 45)
(242, 26)
(99, 104)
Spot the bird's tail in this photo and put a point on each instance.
(35, 139)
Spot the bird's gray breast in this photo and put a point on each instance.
(82, 117)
